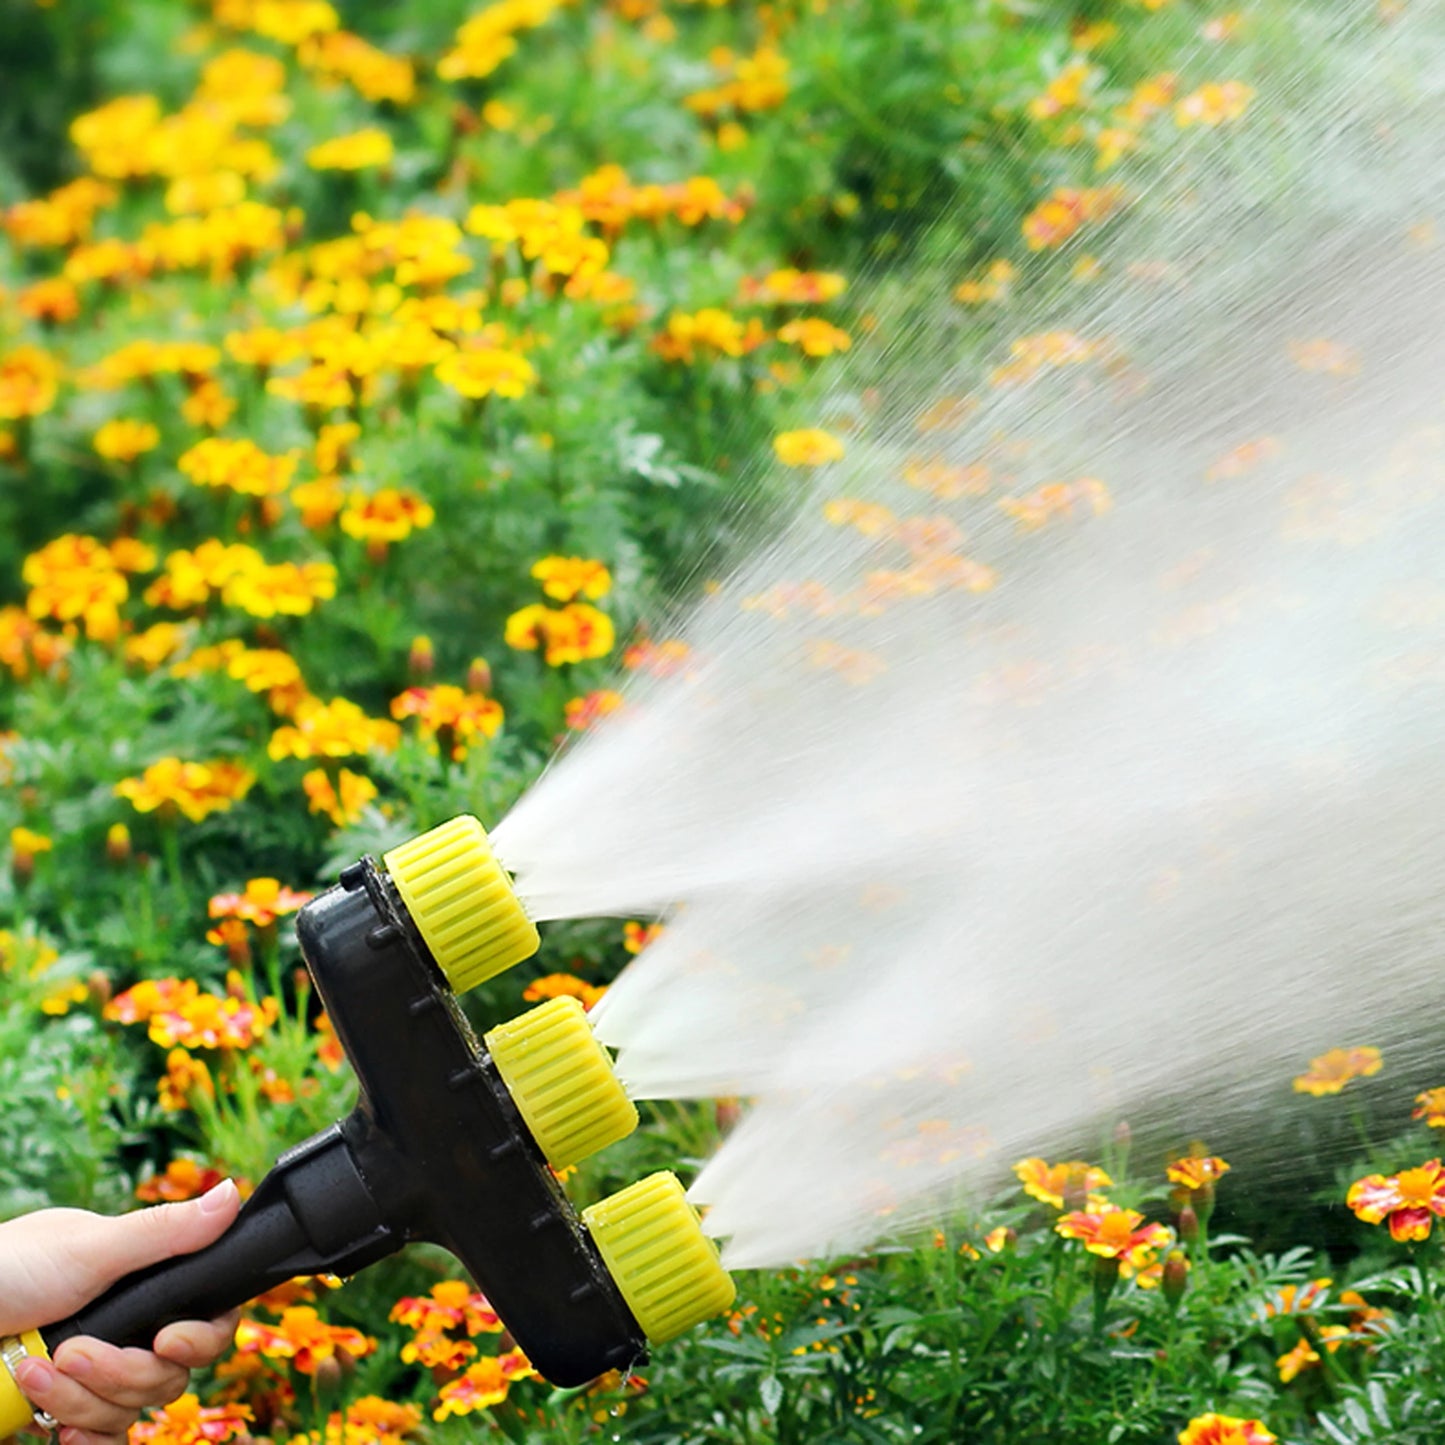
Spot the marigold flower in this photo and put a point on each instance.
(29, 379)
(1195, 1173)
(484, 1384)
(185, 1077)
(358, 151)
(573, 633)
(302, 1337)
(1304, 1354)
(659, 659)
(563, 985)
(1430, 1106)
(29, 842)
(710, 330)
(1408, 1201)
(453, 1308)
(238, 464)
(1214, 104)
(450, 715)
(637, 936)
(582, 713)
(287, 588)
(187, 1422)
(368, 1421)
(212, 1021)
(1332, 358)
(261, 904)
(1048, 1183)
(565, 578)
(815, 337)
(1113, 1233)
(811, 447)
(1054, 220)
(1215, 1429)
(487, 371)
(789, 286)
(343, 801)
(1330, 1072)
(123, 440)
(390, 515)
(195, 790)
(182, 1178)
(335, 729)
(1297, 1299)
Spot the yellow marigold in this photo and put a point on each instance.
(62, 218)
(1215, 1429)
(1195, 1173)
(1330, 1072)
(286, 588)
(25, 645)
(195, 790)
(261, 903)
(185, 1077)
(74, 578)
(1114, 1233)
(389, 515)
(340, 55)
(157, 644)
(582, 713)
(485, 40)
(190, 577)
(450, 715)
(52, 301)
(1214, 104)
(563, 985)
(343, 801)
(1430, 1106)
(815, 337)
(319, 501)
(358, 151)
(811, 447)
(238, 464)
(709, 331)
(29, 379)
(792, 287)
(335, 729)
(302, 1337)
(123, 440)
(114, 138)
(263, 347)
(483, 1385)
(1049, 1183)
(26, 842)
(1055, 220)
(487, 371)
(1409, 1201)
(570, 634)
(186, 1422)
(565, 578)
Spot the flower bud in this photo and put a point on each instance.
(421, 660)
(1176, 1276)
(1188, 1225)
(1123, 1134)
(99, 987)
(479, 676)
(726, 1113)
(1075, 1193)
(117, 845)
(328, 1374)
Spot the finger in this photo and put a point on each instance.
(197, 1343)
(73, 1436)
(125, 1377)
(69, 1401)
(109, 1247)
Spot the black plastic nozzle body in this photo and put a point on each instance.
(434, 1150)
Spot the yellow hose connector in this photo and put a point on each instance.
(561, 1081)
(16, 1412)
(651, 1240)
(462, 902)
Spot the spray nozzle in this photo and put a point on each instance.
(450, 1141)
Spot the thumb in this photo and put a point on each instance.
(107, 1247)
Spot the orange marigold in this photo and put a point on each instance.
(187, 1422)
(1049, 1183)
(1330, 1072)
(1215, 1429)
(484, 1384)
(565, 578)
(1409, 1201)
(343, 801)
(563, 985)
(810, 447)
(335, 729)
(195, 790)
(302, 1337)
(573, 633)
(1113, 1233)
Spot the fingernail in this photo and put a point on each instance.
(33, 1374)
(218, 1197)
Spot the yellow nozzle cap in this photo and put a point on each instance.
(652, 1243)
(561, 1081)
(16, 1412)
(462, 902)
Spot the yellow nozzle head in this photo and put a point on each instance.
(462, 902)
(16, 1412)
(561, 1081)
(667, 1269)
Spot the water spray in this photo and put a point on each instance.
(452, 1141)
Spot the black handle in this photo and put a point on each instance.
(312, 1214)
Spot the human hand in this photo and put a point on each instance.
(56, 1260)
